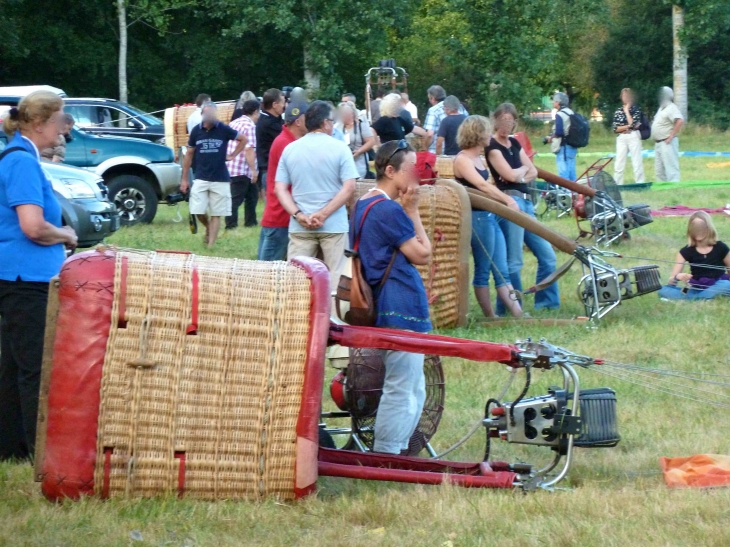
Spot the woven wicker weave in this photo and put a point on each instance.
(446, 276)
(227, 397)
(445, 167)
(179, 119)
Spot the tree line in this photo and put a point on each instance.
(483, 51)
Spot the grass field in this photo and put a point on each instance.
(613, 497)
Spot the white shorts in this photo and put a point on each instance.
(215, 196)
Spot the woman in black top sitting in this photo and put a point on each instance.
(512, 170)
(487, 240)
(393, 125)
(708, 260)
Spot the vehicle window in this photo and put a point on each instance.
(84, 115)
(121, 118)
(147, 119)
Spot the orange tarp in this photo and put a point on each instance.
(698, 471)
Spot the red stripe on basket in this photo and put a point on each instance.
(193, 326)
(180, 474)
(122, 320)
(107, 472)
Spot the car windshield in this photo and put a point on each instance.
(149, 119)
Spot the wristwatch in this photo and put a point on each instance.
(294, 216)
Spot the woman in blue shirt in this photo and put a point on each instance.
(394, 232)
(32, 244)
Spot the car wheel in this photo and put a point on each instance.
(134, 197)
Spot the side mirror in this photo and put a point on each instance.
(134, 124)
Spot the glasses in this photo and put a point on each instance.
(402, 145)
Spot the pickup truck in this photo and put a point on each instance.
(138, 173)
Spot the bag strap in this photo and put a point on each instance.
(357, 240)
(10, 151)
(362, 221)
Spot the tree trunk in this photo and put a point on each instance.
(311, 76)
(122, 13)
(680, 60)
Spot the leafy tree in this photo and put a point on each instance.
(324, 34)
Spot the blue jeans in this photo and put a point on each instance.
(273, 243)
(515, 236)
(672, 292)
(262, 181)
(489, 250)
(565, 159)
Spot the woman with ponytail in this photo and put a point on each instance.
(32, 242)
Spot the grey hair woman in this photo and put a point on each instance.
(358, 136)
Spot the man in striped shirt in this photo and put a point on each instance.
(243, 168)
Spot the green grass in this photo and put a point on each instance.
(616, 496)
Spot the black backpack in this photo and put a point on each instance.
(579, 131)
(645, 128)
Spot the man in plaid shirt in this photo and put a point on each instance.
(436, 96)
(243, 168)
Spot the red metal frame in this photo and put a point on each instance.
(386, 467)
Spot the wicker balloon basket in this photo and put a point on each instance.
(446, 215)
(445, 167)
(179, 374)
(176, 120)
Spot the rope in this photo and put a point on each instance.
(478, 424)
(679, 394)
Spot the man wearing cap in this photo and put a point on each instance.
(274, 238)
(207, 147)
(321, 173)
(667, 123)
(564, 153)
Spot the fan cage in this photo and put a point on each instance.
(365, 378)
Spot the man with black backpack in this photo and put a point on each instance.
(570, 132)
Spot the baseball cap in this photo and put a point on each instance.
(293, 110)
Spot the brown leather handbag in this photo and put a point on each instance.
(354, 299)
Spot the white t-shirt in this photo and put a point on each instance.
(664, 122)
(195, 119)
(412, 109)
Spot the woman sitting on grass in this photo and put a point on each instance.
(708, 260)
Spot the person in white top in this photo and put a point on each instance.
(410, 107)
(667, 123)
(196, 117)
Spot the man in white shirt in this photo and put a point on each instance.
(667, 123)
(197, 117)
(410, 107)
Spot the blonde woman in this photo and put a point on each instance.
(31, 253)
(393, 125)
(358, 136)
(708, 261)
(487, 241)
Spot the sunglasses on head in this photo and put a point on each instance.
(402, 145)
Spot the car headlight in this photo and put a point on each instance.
(78, 189)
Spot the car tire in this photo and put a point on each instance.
(134, 197)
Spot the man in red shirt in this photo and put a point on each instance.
(275, 222)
